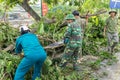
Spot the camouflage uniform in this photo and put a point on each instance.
(71, 53)
(112, 32)
(82, 23)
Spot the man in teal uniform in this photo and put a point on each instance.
(73, 42)
(112, 31)
(34, 54)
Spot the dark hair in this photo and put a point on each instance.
(75, 13)
(24, 31)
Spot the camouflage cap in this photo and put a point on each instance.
(70, 16)
(113, 11)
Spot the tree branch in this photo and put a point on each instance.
(26, 6)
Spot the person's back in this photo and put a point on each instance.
(75, 38)
(82, 23)
(30, 44)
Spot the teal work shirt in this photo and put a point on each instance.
(30, 45)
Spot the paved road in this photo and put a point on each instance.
(16, 23)
(113, 71)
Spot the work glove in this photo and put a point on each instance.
(66, 40)
(21, 55)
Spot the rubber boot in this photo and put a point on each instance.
(109, 49)
(113, 46)
(76, 67)
(63, 63)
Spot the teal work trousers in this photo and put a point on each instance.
(27, 63)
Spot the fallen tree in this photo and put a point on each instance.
(99, 12)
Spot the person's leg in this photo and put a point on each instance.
(76, 59)
(22, 69)
(66, 56)
(109, 41)
(115, 41)
(80, 52)
(37, 68)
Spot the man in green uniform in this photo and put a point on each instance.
(112, 31)
(82, 23)
(73, 42)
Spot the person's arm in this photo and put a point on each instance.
(18, 47)
(21, 55)
(86, 21)
(104, 30)
(68, 34)
(83, 25)
(105, 27)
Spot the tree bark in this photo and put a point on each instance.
(95, 14)
(27, 7)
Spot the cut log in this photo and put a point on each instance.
(55, 48)
(9, 48)
(55, 45)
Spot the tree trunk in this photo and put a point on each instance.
(27, 7)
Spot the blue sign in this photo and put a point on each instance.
(114, 3)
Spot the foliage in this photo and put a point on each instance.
(51, 30)
(94, 6)
(54, 72)
(68, 2)
(51, 71)
(10, 3)
(93, 42)
(8, 64)
(8, 34)
(93, 36)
